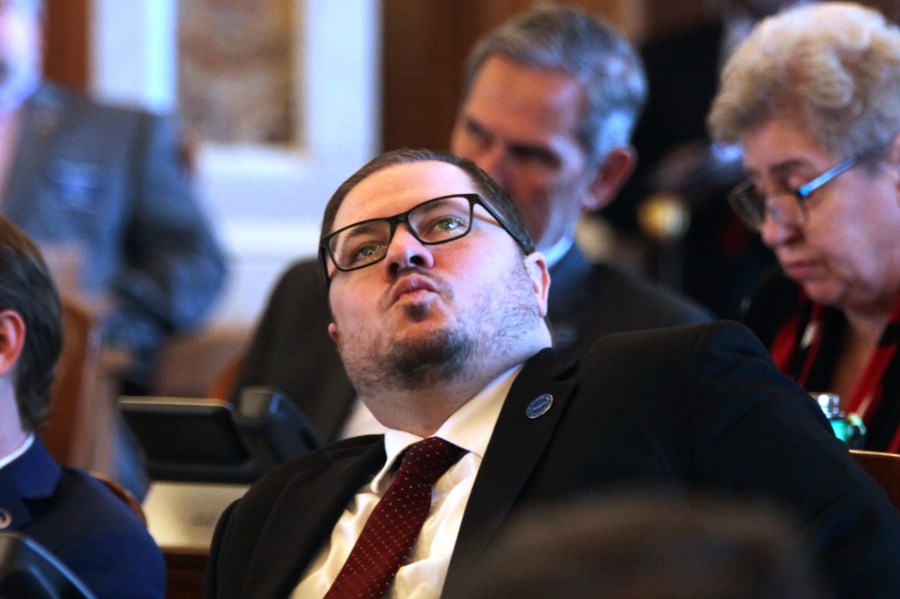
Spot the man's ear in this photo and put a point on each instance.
(539, 273)
(333, 331)
(12, 340)
(609, 178)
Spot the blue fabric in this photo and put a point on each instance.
(111, 182)
(89, 529)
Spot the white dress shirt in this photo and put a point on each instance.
(422, 577)
(559, 249)
(360, 422)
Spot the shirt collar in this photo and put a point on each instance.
(470, 427)
(558, 250)
(10, 458)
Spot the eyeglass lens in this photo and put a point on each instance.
(432, 222)
(785, 208)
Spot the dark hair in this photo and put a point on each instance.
(568, 39)
(27, 288)
(487, 188)
(649, 543)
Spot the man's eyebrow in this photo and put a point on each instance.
(519, 149)
(360, 228)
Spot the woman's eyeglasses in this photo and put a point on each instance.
(787, 208)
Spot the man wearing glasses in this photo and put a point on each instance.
(812, 96)
(438, 300)
(549, 103)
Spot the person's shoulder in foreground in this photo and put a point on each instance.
(650, 544)
(94, 533)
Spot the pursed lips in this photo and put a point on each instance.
(410, 284)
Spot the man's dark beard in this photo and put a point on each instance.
(449, 355)
(441, 358)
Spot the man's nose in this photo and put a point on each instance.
(405, 251)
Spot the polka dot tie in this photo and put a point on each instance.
(394, 524)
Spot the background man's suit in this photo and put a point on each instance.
(291, 349)
(589, 300)
(110, 182)
(84, 525)
(292, 352)
(699, 406)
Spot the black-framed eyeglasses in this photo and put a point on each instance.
(788, 208)
(433, 222)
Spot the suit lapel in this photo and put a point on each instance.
(516, 446)
(33, 476)
(570, 294)
(302, 519)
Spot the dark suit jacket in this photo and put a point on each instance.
(291, 349)
(777, 301)
(110, 182)
(588, 301)
(77, 519)
(698, 406)
(292, 352)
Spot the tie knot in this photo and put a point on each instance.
(429, 459)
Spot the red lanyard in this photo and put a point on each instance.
(784, 345)
(867, 394)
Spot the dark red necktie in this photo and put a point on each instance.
(394, 524)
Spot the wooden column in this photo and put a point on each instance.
(66, 45)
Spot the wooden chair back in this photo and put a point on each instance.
(884, 468)
(123, 494)
(223, 385)
(76, 375)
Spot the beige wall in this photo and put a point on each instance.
(424, 44)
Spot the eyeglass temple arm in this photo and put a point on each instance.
(827, 176)
(837, 169)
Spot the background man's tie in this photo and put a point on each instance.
(394, 524)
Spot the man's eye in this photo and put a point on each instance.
(449, 224)
(535, 156)
(367, 251)
(476, 132)
(441, 228)
(444, 227)
(361, 253)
